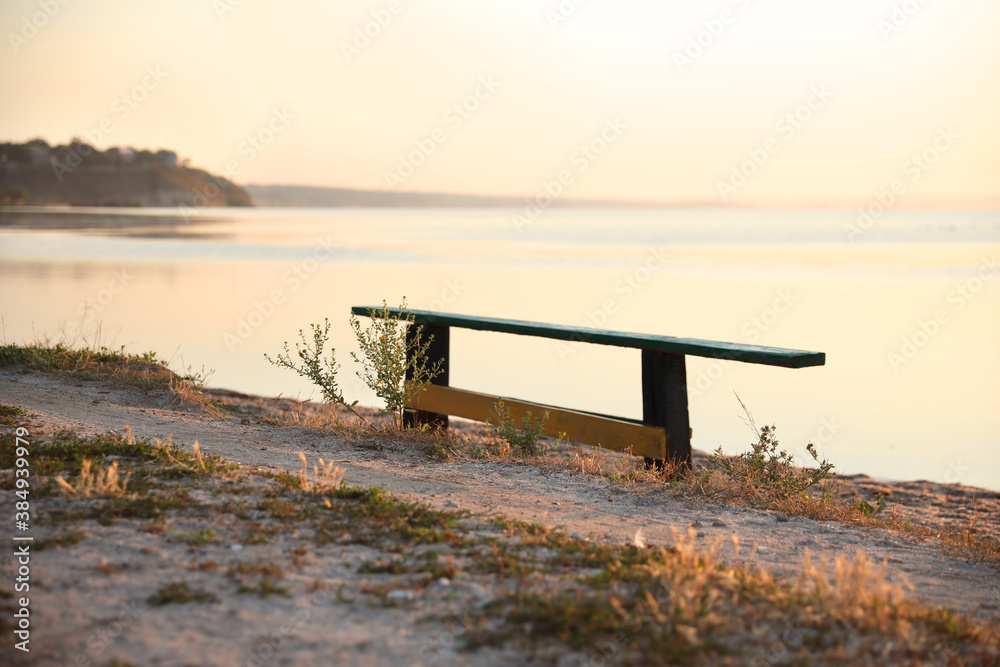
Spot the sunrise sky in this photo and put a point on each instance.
(874, 83)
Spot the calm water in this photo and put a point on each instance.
(908, 313)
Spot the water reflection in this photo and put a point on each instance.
(116, 222)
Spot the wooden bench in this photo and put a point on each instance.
(664, 433)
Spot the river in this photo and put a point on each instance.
(906, 308)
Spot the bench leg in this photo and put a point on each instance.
(437, 350)
(665, 403)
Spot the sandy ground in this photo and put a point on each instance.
(75, 604)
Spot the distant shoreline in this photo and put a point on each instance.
(302, 196)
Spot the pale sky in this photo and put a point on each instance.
(342, 113)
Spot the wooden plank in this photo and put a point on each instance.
(754, 354)
(665, 403)
(579, 427)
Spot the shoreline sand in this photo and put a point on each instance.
(544, 491)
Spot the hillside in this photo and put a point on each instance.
(80, 175)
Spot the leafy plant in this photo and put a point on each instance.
(767, 470)
(10, 415)
(523, 438)
(394, 358)
(323, 372)
(870, 510)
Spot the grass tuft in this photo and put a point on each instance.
(11, 415)
(96, 482)
(325, 476)
(522, 438)
(178, 593)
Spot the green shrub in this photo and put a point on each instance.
(389, 355)
(767, 471)
(522, 438)
(323, 372)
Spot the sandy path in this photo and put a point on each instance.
(582, 505)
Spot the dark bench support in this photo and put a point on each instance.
(438, 349)
(665, 404)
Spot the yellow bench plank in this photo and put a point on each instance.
(578, 427)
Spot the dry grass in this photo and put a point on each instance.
(105, 482)
(117, 366)
(91, 360)
(325, 476)
(685, 605)
(825, 502)
(622, 469)
(191, 392)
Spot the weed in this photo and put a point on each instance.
(299, 555)
(264, 588)
(11, 415)
(437, 450)
(870, 510)
(197, 538)
(178, 593)
(56, 541)
(265, 569)
(765, 471)
(379, 566)
(259, 533)
(323, 372)
(325, 476)
(687, 606)
(523, 438)
(394, 358)
(119, 367)
(102, 482)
